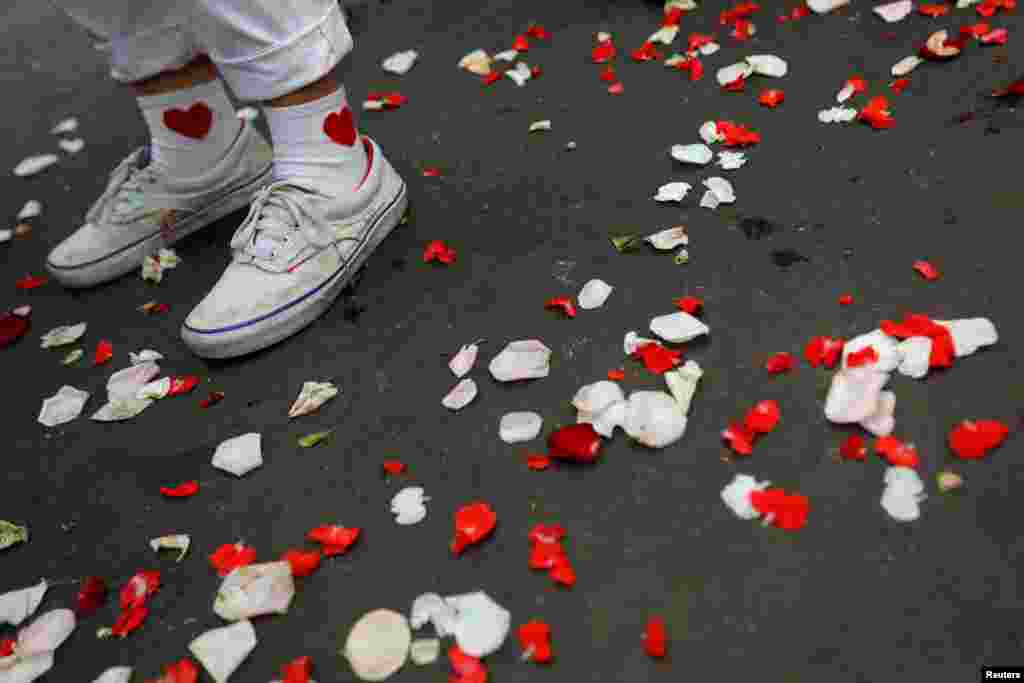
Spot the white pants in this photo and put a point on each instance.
(263, 48)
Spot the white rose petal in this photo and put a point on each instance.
(906, 65)
(31, 209)
(710, 134)
(520, 74)
(664, 35)
(35, 164)
(730, 161)
(654, 419)
(903, 493)
(461, 395)
(45, 634)
(463, 361)
(63, 335)
(672, 192)
(311, 397)
(239, 455)
(526, 359)
(591, 399)
(115, 674)
(970, 334)
(62, 407)
(378, 645)
(432, 608)
(122, 409)
(682, 382)
(826, 6)
(254, 590)
(768, 65)
(72, 146)
(882, 422)
(540, 125)
(6, 236)
(155, 390)
(25, 670)
(594, 294)
(736, 495)
(144, 356)
(17, 606)
(179, 542)
(854, 394)
(477, 62)
(722, 189)
(507, 56)
(632, 342)
(837, 115)
(733, 72)
(894, 11)
(125, 384)
(666, 240)
(916, 353)
(605, 422)
(424, 651)
(709, 49)
(68, 125)
(482, 624)
(678, 327)
(408, 506)
(519, 427)
(692, 154)
(401, 62)
(222, 650)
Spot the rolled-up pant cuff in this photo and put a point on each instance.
(284, 68)
(141, 56)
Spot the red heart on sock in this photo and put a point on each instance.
(339, 127)
(194, 122)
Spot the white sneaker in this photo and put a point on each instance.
(293, 255)
(141, 210)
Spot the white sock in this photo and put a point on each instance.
(318, 142)
(190, 129)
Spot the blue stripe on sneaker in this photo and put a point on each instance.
(294, 302)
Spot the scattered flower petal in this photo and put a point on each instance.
(464, 360)
(461, 395)
(525, 359)
(437, 250)
(401, 62)
(310, 440)
(692, 154)
(903, 493)
(577, 443)
(35, 164)
(378, 645)
(311, 397)
(894, 11)
(62, 407)
(473, 523)
(926, 270)
(184, 490)
(408, 506)
(594, 294)
(519, 427)
(239, 455)
(179, 542)
(655, 638)
(222, 650)
(424, 651)
(678, 327)
(562, 303)
(91, 596)
(654, 419)
(254, 590)
(666, 240)
(31, 282)
(780, 362)
(973, 439)
(18, 605)
(334, 539)
(672, 192)
(481, 625)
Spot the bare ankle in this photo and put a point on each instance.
(199, 70)
(314, 91)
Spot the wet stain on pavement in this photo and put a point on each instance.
(784, 258)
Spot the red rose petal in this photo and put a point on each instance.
(689, 304)
(182, 385)
(537, 31)
(213, 399)
(780, 362)
(645, 53)
(139, 588)
(335, 539)
(535, 638)
(866, 356)
(899, 85)
(932, 10)
(183, 671)
(468, 669)
(431, 172)
(91, 596)
(926, 270)
(608, 75)
(520, 44)
(603, 52)
(672, 17)
(787, 512)
(13, 327)
(436, 250)
(104, 352)
(876, 114)
(230, 556)
(771, 98)
(657, 358)
(854, 448)
(742, 30)
(31, 282)
(616, 89)
(538, 462)
(616, 375)
(7, 647)
(394, 100)
(184, 490)
(473, 523)
(545, 556)
(823, 351)
(763, 417)
(302, 562)
(737, 85)
(393, 467)
(297, 670)
(896, 453)
(546, 533)
(975, 30)
(578, 443)
(739, 438)
(737, 135)
(129, 620)
(846, 300)
(492, 78)
(562, 573)
(973, 439)
(655, 638)
(562, 303)
(997, 37)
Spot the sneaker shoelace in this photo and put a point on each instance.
(124, 193)
(278, 211)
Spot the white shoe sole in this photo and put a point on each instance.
(250, 336)
(129, 258)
